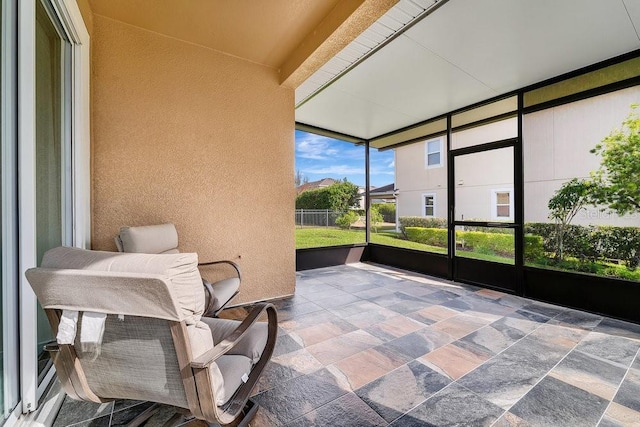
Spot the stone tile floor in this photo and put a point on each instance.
(365, 345)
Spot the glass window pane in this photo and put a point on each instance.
(487, 244)
(433, 146)
(421, 197)
(384, 227)
(323, 165)
(433, 159)
(557, 144)
(502, 198)
(49, 149)
(480, 178)
(503, 211)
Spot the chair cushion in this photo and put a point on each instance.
(227, 376)
(224, 290)
(149, 239)
(252, 343)
(180, 269)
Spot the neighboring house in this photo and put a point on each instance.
(556, 145)
(384, 194)
(314, 185)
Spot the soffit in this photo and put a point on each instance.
(265, 32)
(465, 52)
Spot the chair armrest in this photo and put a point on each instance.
(228, 343)
(224, 261)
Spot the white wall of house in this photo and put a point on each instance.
(556, 144)
(556, 148)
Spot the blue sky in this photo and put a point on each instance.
(320, 157)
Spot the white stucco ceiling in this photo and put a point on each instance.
(467, 51)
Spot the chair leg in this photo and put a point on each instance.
(248, 412)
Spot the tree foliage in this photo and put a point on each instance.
(347, 219)
(337, 197)
(565, 205)
(375, 217)
(617, 181)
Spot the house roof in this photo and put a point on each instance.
(384, 189)
(426, 58)
(385, 192)
(325, 182)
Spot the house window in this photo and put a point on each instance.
(502, 204)
(433, 153)
(429, 204)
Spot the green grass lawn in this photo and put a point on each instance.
(327, 236)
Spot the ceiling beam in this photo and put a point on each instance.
(346, 21)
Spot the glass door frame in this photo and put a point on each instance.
(510, 275)
(9, 289)
(76, 197)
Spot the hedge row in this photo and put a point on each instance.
(590, 243)
(488, 243)
(420, 221)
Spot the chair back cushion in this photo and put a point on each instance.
(181, 270)
(148, 239)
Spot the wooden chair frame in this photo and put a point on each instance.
(196, 376)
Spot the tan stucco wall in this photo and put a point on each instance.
(188, 135)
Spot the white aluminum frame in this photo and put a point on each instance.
(9, 225)
(73, 24)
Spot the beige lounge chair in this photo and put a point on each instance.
(130, 326)
(163, 239)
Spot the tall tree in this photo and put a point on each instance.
(617, 181)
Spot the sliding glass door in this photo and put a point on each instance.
(53, 154)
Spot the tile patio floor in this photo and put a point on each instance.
(366, 345)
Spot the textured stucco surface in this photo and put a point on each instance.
(187, 135)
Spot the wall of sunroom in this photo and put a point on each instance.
(189, 135)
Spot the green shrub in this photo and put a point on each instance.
(488, 243)
(428, 236)
(590, 243)
(375, 217)
(387, 210)
(422, 222)
(347, 219)
(533, 247)
(621, 243)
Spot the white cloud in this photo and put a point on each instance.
(315, 147)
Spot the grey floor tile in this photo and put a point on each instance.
(74, 411)
(345, 411)
(578, 319)
(420, 342)
(300, 396)
(402, 389)
(629, 393)
(619, 328)
(555, 403)
(453, 406)
(285, 344)
(613, 348)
